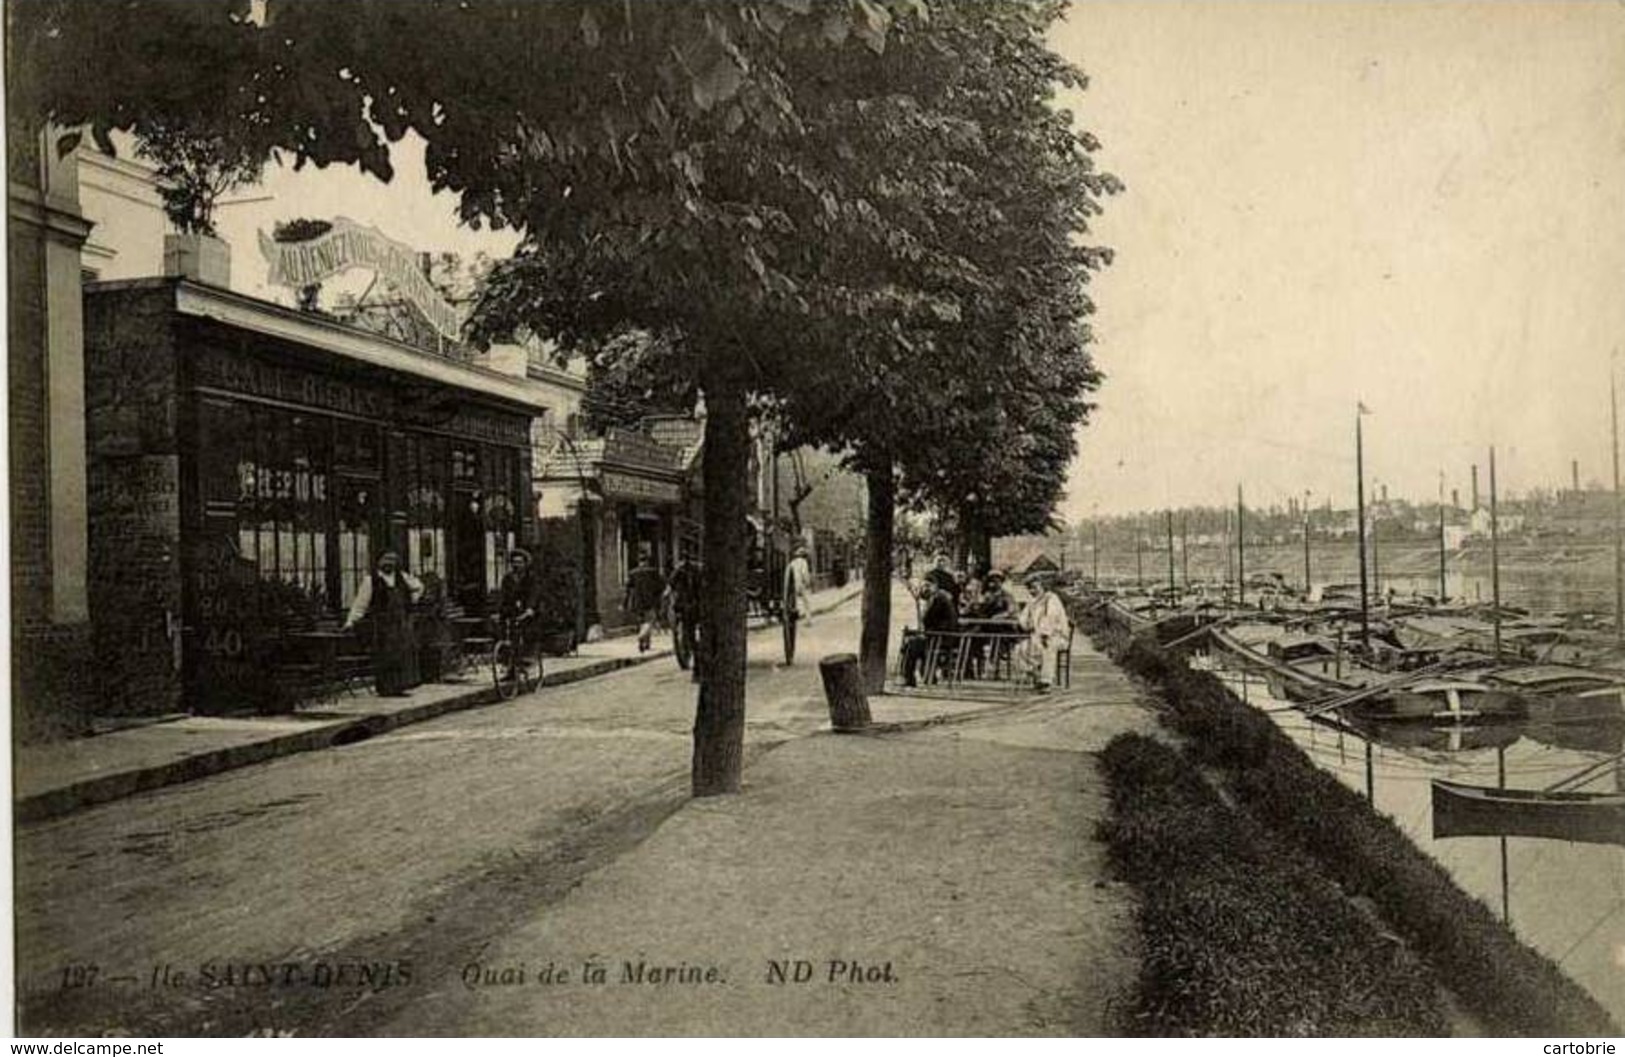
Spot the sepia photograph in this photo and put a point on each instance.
(815, 518)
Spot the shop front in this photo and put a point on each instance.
(293, 453)
(629, 493)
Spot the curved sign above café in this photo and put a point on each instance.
(347, 245)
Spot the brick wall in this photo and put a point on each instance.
(132, 400)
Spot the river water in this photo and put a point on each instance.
(1546, 579)
(1565, 899)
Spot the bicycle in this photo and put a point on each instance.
(516, 662)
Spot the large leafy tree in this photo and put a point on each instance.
(963, 390)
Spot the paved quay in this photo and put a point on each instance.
(938, 878)
(55, 778)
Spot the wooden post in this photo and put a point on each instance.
(843, 689)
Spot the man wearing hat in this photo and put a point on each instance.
(387, 595)
(996, 601)
(520, 595)
(644, 588)
(798, 584)
(1049, 628)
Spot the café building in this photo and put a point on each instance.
(247, 464)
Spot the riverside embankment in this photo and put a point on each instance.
(1264, 881)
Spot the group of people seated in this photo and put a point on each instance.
(1034, 632)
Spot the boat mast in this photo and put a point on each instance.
(1359, 502)
(1307, 588)
(1139, 544)
(1241, 548)
(1495, 557)
(1172, 585)
(1442, 591)
(1619, 521)
(1184, 553)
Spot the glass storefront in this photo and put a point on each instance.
(311, 499)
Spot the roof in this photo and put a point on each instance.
(1023, 555)
(251, 314)
(572, 459)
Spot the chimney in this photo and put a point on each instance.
(1574, 471)
(1475, 486)
(200, 258)
(1455, 498)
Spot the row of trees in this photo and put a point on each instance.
(866, 218)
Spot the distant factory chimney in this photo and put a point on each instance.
(1574, 472)
(1385, 493)
(1475, 486)
(1455, 498)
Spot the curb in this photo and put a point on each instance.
(54, 803)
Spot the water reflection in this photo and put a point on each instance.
(1566, 899)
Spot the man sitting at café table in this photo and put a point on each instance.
(996, 601)
(995, 604)
(941, 615)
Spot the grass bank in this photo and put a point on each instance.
(1240, 935)
(1507, 986)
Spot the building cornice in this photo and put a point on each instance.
(27, 205)
(250, 314)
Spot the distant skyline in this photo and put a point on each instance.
(1420, 206)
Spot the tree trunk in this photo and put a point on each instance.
(843, 689)
(876, 634)
(719, 717)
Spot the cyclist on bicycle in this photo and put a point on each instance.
(520, 597)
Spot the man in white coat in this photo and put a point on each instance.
(798, 584)
(1045, 620)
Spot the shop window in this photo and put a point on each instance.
(355, 447)
(426, 496)
(499, 491)
(281, 471)
(353, 507)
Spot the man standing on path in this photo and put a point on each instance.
(387, 595)
(644, 586)
(798, 585)
(1046, 621)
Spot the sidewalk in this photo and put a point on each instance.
(56, 778)
(941, 878)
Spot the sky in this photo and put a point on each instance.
(1418, 206)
